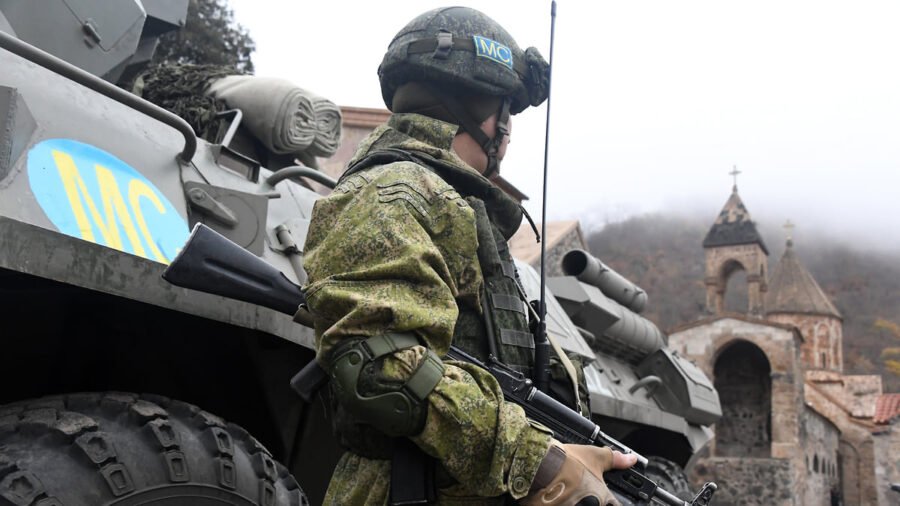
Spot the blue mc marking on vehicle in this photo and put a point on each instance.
(92, 195)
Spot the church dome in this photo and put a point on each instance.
(792, 289)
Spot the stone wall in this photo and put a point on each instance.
(861, 394)
(748, 482)
(887, 463)
(830, 382)
(704, 342)
(820, 448)
(822, 339)
(856, 450)
(857, 394)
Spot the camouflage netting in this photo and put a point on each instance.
(182, 90)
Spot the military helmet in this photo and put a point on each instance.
(464, 52)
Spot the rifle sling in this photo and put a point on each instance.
(412, 475)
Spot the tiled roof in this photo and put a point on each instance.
(733, 226)
(792, 289)
(886, 408)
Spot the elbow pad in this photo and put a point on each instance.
(398, 412)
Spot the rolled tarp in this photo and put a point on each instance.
(328, 127)
(286, 118)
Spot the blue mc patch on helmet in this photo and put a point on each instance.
(493, 50)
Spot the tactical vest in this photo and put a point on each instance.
(500, 325)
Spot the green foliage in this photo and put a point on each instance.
(888, 326)
(893, 365)
(210, 36)
(891, 354)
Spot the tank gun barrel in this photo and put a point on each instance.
(616, 329)
(589, 269)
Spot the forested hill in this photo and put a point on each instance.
(663, 255)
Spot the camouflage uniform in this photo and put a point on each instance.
(395, 249)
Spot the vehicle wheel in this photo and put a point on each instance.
(123, 449)
(669, 476)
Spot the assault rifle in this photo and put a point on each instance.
(213, 264)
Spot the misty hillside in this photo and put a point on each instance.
(663, 255)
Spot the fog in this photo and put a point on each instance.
(654, 102)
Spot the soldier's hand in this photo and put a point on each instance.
(573, 475)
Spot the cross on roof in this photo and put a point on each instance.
(735, 173)
(789, 228)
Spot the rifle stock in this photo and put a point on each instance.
(213, 264)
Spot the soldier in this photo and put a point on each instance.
(408, 254)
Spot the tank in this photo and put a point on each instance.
(138, 390)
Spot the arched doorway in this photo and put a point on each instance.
(743, 380)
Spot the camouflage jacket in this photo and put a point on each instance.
(393, 249)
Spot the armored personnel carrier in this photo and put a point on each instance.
(98, 191)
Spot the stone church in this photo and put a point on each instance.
(795, 429)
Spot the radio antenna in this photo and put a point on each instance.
(541, 344)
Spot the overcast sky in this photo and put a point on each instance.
(655, 101)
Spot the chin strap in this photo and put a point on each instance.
(490, 146)
(493, 166)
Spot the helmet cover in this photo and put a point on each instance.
(464, 52)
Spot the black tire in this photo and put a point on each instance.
(122, 449)
(669, 476)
